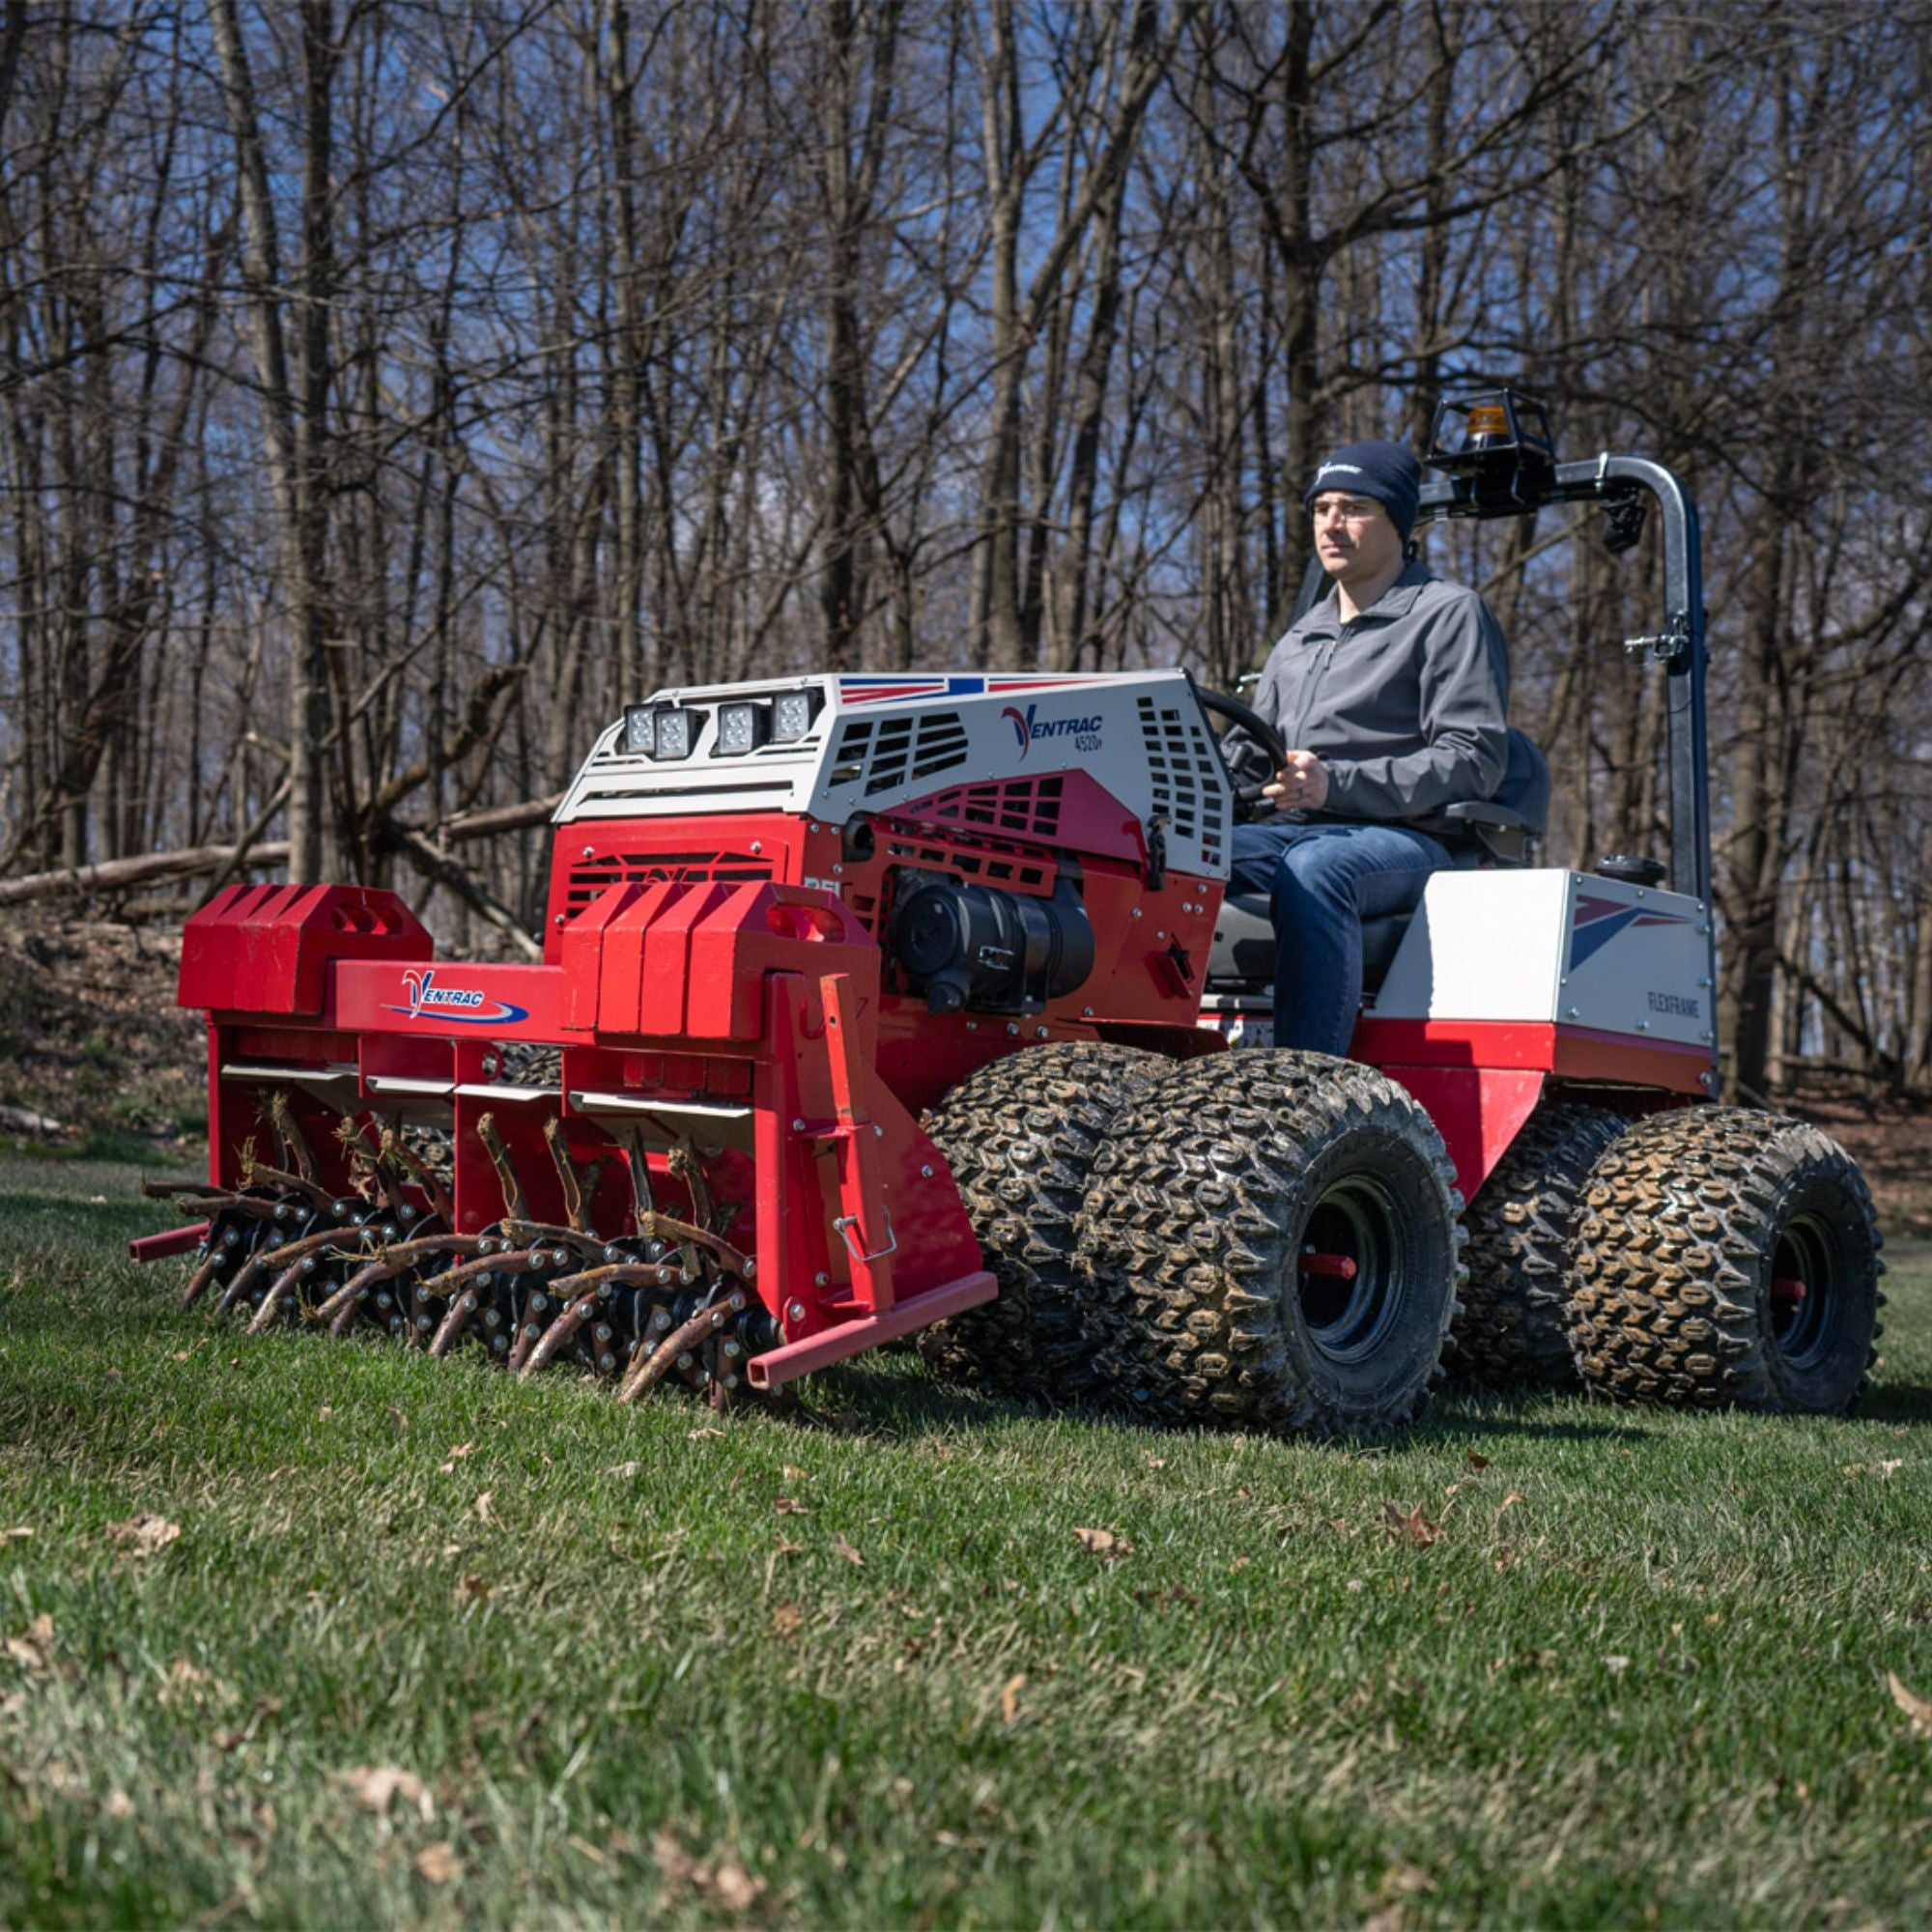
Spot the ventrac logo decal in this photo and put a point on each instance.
(465, 1003)
(1028, 726)
(1593, 922)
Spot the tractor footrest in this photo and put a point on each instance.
(779, 1366)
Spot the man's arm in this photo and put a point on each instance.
(1464, 708)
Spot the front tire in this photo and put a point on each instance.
(1020, 1137)
(1728, 1258)
(1270, 1241)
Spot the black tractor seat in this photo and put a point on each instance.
(1500, 832)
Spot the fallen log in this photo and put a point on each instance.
(117, 874)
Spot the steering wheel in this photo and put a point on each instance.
(1249, 803)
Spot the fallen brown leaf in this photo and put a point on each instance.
(1917, 1708)
(1477, 1461)
(790, 1506)
(184, 1679)
(1410, 1527)
(1010, 1698)
(484, 1513)
(436, 1865)
(785, 1548)
(840, 1547)
(624, 1469)
(119, 1804)
(788, 1620)
(1104, 1544)
(34, 1648)
(454, 1457)
(472, 1590)
(146, 1534)
(694, 1435)
(376, 1786)
(724, 1879)
(1404, 1881)
(1514, 1496)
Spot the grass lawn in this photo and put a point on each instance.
(1540, 1662)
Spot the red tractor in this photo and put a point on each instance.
(898, 1004)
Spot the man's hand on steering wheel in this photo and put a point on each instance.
(1302, 784)
(1300, 780)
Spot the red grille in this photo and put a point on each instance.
(1027, 807)
(590, 877)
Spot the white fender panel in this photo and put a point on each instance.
(1550, 945)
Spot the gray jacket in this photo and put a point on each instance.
(1407, 707)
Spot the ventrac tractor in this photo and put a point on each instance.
(913, 1005)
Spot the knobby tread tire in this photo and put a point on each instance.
(1020, 1137)
(1192, 1237)
(1677, 1256)
(1514, 1331)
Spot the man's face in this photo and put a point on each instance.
(1354, 537)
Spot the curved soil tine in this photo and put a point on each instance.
(462, 1304)
(283, 1283)
(271, 1258)
(559, 1331)
(539, 1234)
(244, 1279)
(646, 1373)
(292, 1183)
(665, 1227)
(426, 1178)
(294, 1254)
(390, 1263)
(461, 1308)
(197, 1282)
(580, 1311)
(288, 1132)
(514, 1209)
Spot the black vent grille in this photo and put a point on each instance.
(889, 753)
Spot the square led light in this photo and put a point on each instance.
(640, 730)
(741, 728)
(676, 732)
(792, 713)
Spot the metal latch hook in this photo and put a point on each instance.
(845, 1223)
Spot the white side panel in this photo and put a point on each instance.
(1482, 946)
(1548, 945)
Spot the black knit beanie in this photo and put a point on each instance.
(1383, 471)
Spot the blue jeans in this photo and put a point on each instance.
(1322, 882)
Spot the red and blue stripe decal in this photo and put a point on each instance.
(875, 687)
(1593, 922)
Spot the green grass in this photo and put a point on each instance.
(1641, 1676)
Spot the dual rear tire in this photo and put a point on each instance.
(1270, 1241)
(1727, 1258)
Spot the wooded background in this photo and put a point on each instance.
(389, 390)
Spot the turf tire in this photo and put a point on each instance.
(1514, 1331)
(1694, 1221)
(1020, 1137)
(1205, 1198)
